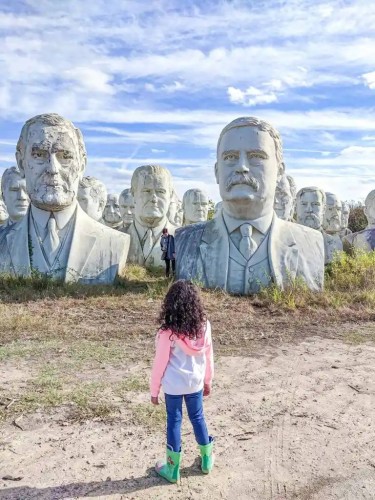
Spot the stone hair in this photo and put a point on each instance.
(251, 121)
(8, 174)
(50, 120)
(124, 193)
(144, 170)
(292, 184)
(312, 189)
(97, 188)
(189, 194)
(370, 198)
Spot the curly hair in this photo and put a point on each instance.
(182, 311)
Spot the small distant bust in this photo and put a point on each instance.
(364, 240)
(345, 220)
(111, 213)
(92, 197)
(179, 219)
(126, 202)
(3, 212)
(174, 210)
(195, 206)
(13, 189)
(285, 197)
(311, 205)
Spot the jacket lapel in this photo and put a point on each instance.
(82, 246)
(18, 246)
(214, 251)
(283, 253)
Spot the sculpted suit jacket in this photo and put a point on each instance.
(97, 253)
(136, 253)
(202, 253)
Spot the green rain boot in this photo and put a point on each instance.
(170, 469)
(208, 457)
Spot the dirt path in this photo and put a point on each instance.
(293, 422)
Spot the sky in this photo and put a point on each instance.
(155, 82)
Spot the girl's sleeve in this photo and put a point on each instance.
(209, 375)
(163, 347)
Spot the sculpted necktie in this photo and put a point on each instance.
(51, 242)
(148, 243)
(247, 244)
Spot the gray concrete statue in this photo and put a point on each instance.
(56, 237)
(285, 197)
(111, 213)
(332, 222)
(218, 208)
(126, 202)
(364, 240)
(92, 197)
(310, 209)
(247, 246)
(345, 220)
(13, 190)
(3, 212)
(179, 219)
(152, 189)
(195, 206)
(174, 214)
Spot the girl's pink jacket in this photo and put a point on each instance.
(181, 365)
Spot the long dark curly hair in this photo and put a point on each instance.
(182, 311)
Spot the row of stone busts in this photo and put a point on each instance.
(117, 211)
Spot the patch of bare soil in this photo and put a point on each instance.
(292, 414)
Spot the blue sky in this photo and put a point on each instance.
(156, 81)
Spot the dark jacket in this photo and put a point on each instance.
(167, 244)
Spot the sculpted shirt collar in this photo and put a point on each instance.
(142, 230)
(62, 217)
(262, 224)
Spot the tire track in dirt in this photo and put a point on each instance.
(278, 435)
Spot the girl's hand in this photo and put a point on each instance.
(207, 390)
(154, 400)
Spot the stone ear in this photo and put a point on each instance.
(216, 173)
(19, 163)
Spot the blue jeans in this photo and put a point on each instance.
(194, 406)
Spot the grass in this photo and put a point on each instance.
(62, 336)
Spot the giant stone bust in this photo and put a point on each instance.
(152, 189)
(364, 240)
(195, 206)
(13, 189)
(345, 219)
(56, 237)
(92, 196)
(174, 210)
(246, 246)
(332, 221)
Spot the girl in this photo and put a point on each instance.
(184, 366)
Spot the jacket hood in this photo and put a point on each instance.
(195, 347)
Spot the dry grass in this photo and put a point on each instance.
(89, 349)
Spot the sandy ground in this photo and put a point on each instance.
(292, 422)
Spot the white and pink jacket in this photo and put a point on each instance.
(182, 366)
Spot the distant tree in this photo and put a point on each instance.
(211, 209)
(357, 218)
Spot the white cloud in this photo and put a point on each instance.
(250, 97)
(369, 79)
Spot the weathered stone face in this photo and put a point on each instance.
(127, 207)
(195, 206)
(152, 199)
(284, 201)
(14, 193)
(52, 166)
(310, 208)
(111, 213)
(332, 215)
